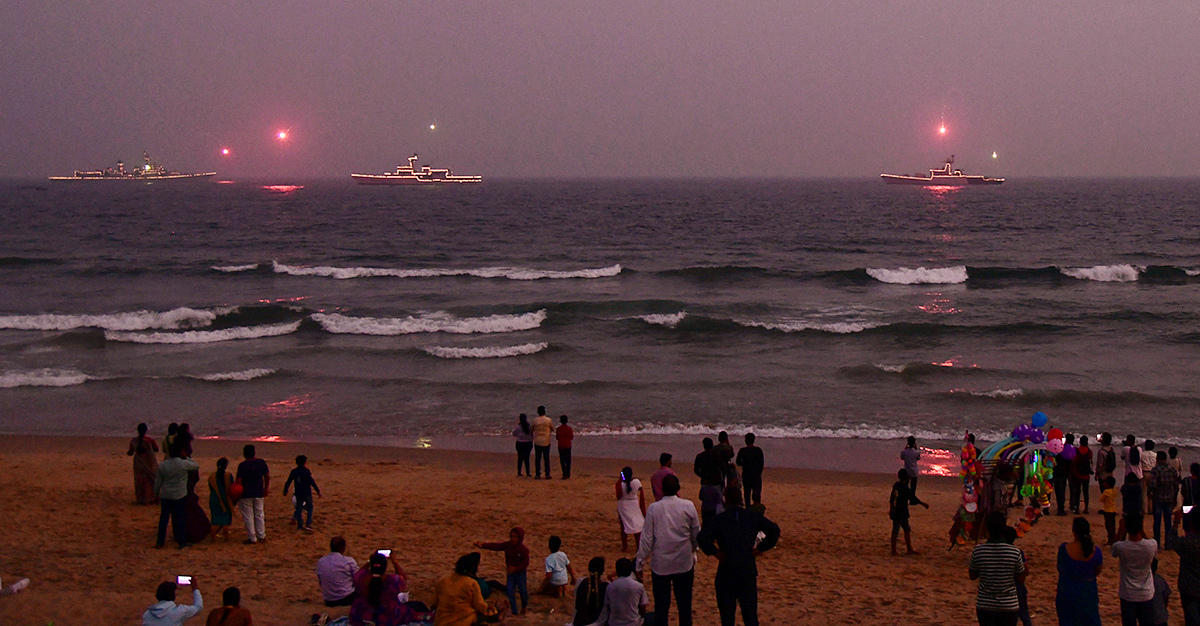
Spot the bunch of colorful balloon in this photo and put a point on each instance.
(1032, 448)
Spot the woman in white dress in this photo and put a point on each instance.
(631, 507)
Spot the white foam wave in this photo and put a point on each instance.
(670, 320)
(860, 431)
(994, 393)
(182, 317)
(800, 325)
(1192, 272)
(43, 378)
(429, 323)
(920, 275)
(235, 268)
(891, 369)
(210, 336)
(510, 273)
(240, 375)
(1104, 273)
(493, 352)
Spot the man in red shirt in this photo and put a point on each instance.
(564, 434)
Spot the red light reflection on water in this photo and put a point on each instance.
(942, 191)
(282, 188)
(224, 182)
(937, 462)
(277, 300)
(269, 438)
(937, 305)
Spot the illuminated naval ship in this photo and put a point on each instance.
(411, 175)
(946, 176)
(150, 171)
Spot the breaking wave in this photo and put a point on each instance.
(1105, 273)
(230, 269)
(920, 275)
(241, 375)
(510, 273)
(201, 336)
(179, 318)
(493, 352)
(670, 320)
(429, 323)
(43, 378)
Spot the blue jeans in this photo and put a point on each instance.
(514, 583)
(1162, 517)
(305, 506)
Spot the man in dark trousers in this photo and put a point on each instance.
(750, 459)
(731, 537)
(712, 480)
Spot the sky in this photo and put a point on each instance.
(670, 88)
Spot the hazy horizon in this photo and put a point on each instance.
(605, 90)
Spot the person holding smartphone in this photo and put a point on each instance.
(165, 612)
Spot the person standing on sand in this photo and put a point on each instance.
(302, 477)
(712, 480)
(631, 507)
(750, 459)
(145, 465)
(1077, 599)
(220, 506)
(1188, 549)
(998, 567)
(669, 540)
(898, 502)
(732, 537)
(168, 439)
(543, 432)
(1081, 476)
(516, 563)
(255, 477)
(1190, 488)
(664, 470)
(1106, 460)
(1062, 475)
(564, 434)
(1164, 493)
(910, 455)
(1135, 555)
(725, 454)
(524, 436)
(171, 488)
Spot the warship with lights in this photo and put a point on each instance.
(148, 172)
(945, 175)
(411, 175)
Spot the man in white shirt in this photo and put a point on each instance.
(335, 573)
(625, 600)
(1135, 555)
(669, 541)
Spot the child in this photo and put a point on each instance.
(1010, 537)
(901, 497)
(516, 563)
(1131, 496)
(1162, 591)
(559, 573)
(1108, 507)
(305, 485)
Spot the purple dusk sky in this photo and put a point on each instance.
(604, 89)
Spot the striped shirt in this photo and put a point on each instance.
(998, 565)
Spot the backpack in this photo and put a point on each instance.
(1110, 462)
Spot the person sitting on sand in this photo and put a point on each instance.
(625, 600)
(898, 502)
(220, 505)
(589, 593)
(166, 613)
(378, 593)
(231, 612)
(516, 564)
(457, 599)
(335, 574)
(558, 570)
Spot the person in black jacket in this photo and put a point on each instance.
(732, 537)
(750, 459)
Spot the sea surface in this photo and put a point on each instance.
(797, 309)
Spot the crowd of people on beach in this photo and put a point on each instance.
(1153, 489)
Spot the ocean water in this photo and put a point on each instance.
(797, 309)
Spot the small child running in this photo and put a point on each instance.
(559, 572)
(305, 486)
(901, 497)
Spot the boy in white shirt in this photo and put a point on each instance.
(559, 573)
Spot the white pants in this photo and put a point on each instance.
(254, 518)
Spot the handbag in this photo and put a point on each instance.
(236, 491)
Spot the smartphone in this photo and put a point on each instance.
(1187, 509)
(183, 580)
(386, 553)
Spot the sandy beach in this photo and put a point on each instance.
(72, 527)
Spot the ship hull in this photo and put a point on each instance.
(392, 179)
(939, 181)
(140, 179)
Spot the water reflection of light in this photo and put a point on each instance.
(937, 305)
(268, 438)
(937, 462)
(424, 442)
(282, 188)
(224, 182)
(942, 190)
(279, 300)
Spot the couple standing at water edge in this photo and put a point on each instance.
(536, 437)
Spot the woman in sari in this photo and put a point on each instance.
(194, 517)
(145, 465)
(220, 505)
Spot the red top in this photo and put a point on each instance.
(564, 434)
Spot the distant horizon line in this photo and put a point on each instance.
(262, 178)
